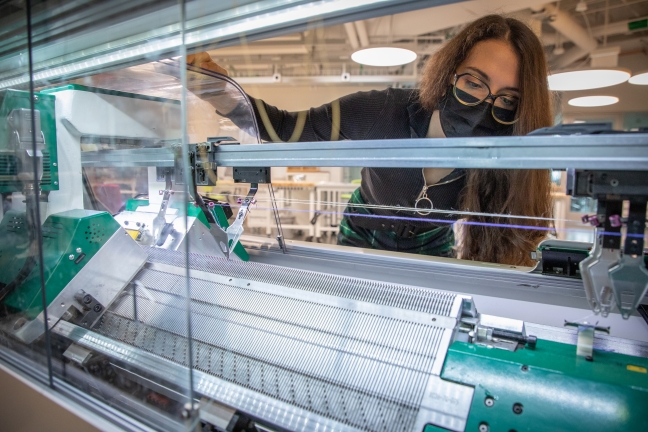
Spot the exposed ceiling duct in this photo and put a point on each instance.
(352, 35)
(571, 30)
(614, 28)
(362, 33)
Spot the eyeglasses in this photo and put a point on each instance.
(471, 91)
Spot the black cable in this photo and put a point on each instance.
(36, 207)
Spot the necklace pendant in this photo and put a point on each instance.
(424, 205)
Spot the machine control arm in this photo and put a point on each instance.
(162, 229)
(615, 271)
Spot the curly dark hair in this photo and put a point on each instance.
(512, 192)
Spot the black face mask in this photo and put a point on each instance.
(459, 120)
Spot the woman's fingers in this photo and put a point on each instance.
(198, 58)
(204, 60)
(210, 65)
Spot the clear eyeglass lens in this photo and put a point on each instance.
(471, 90)
(505, 108)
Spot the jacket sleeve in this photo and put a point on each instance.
(349, 118)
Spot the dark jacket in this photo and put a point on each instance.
(386, 114)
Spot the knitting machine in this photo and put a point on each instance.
(163, 311)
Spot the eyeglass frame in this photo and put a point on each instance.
(489, 96)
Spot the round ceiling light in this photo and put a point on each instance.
(639, 79)
(587, 79)
(384, 56)
(593, 101)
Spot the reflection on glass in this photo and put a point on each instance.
(91, 237)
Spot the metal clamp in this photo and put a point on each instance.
(235, 230)
(596, 278)
(630, 277)
(498, 332)
(630, 283)
(615, 270)
(228, 238)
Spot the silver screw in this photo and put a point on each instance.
(71, 257)
(54, 164)
(489, 401)
(79, 250)
(55, 182)
(483, 427)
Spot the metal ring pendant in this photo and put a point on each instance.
(424, 211)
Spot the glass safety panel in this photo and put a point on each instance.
(77, 210)
(28, 170)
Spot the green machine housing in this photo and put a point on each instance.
(70, 240)
(549, 388)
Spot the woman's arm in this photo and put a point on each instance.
(349, 118)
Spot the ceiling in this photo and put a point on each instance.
(322, 55)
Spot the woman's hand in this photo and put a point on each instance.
(213, 90)
(204, 60)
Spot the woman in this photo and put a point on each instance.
(489, 80)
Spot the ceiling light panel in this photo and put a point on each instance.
(587, 79)
(639, 79)
(593, 101)
(384, 56)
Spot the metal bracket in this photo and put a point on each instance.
(78, 354)
(585, 343)
(92, 309)
(560, 257)
(252, 175)
(162, 229)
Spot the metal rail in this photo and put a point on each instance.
(621, 152)
(144, 157)
(613, 152)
